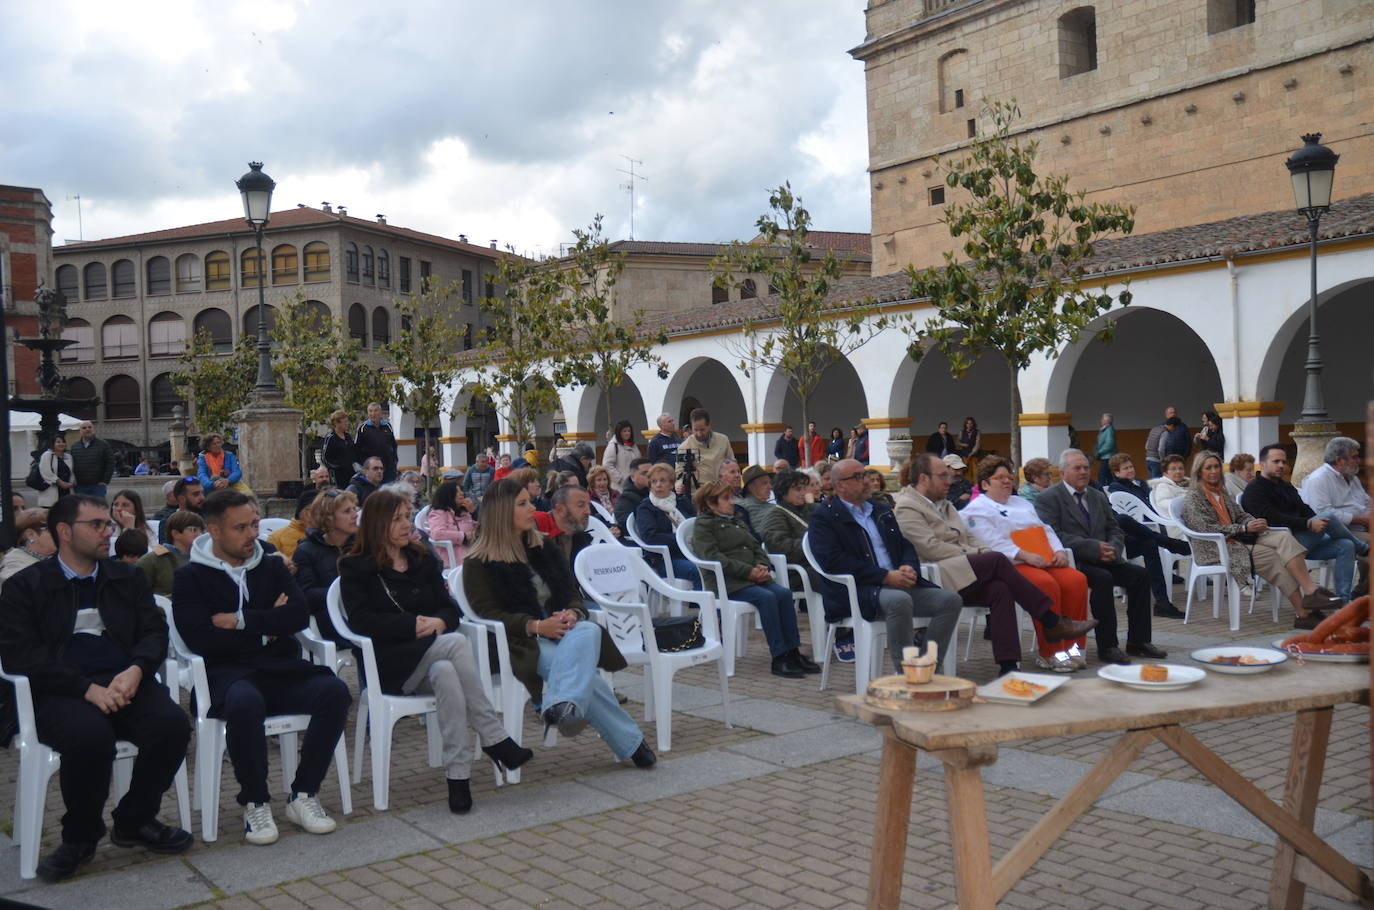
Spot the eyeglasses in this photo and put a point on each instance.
(857, 476)
(98, 524)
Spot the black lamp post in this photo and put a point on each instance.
(256, 189)
(1313, 169)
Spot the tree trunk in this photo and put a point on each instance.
(805, 444)
(1015, 422)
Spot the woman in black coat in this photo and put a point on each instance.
(394, 593)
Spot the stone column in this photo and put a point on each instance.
(1311, 439)
(453, 451)
(1044, 435)
(176, 437)
(760, 438)
(269, 444)
(1249, 425)
(880, 430)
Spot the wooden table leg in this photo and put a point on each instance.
(968, 835)
(893, 813)
(1306, 764)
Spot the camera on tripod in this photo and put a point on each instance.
(687, 470)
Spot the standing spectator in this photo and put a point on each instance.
(812, 446)
(337, 452)
(577, 462)
(1277, 501)
(1038, 479)
(834, 448)
(1210, 438)
(788, 448)
(32, 543)
(1334, 488)
(620, 452)
(85, 631)
(429, 464)
(970, 440)
(941, 443)
(1175, 439)
(218, 468)
(709, 447)
(1153, 466)
(632, 493)
(1241, 473)
(162, 561)
(1083, 518)
(861, 452)
(1144, 541)
(663, 447)
(366, 481)
(56, 468)
(288, 538)
(450, 518)
(1104, 450)
(960, 487)
(375, 438)
(478, 477)
(241, 612)
(93, 460)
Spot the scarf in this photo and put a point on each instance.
(668, 506)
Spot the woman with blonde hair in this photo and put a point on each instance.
(337, 452)
(514, 575)
(601, 487)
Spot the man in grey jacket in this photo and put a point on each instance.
(92, 462)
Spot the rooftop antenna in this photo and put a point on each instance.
(630, 186)
(80, 230)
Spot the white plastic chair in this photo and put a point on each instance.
(379, 712)
(153, 525)
(734, 613)
(969, 614)
(617, 579)
(815, 605)
(600, 511)
(269, 526)
(869, 637)
(210, 737)
(38, 763)
(422, 525)
(1218, 573)
(1127, 504)
(601, 533)
(659, 550)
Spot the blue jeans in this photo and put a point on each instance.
(1335, 543)
(1153, 468)
(568, 668)
(90, 489)
(776, 613)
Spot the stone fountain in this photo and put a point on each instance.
(52, 318)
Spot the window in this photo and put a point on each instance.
(467, 336)
(369, 269)
(467, 285)
(381, 326)
(383, 268)
(719, 294)
(67, 283)
(118, 338)
(217, 271)
(122, 398)
(958, 97)
(250, 320)
(357, 323)
(937, 195)
(250, 268)
(972, 128)
(317, 261)
(748, 290)
(772, 289)
(122, 279)
(1228, 14)
(1077, 42)
(80, 331)
(79, 388)
(94, 276)
(954, 74)
(166, 335)
(216, 323)
(351, 262)
(163, 396)
(159, 276)
(403, 265)
(425, 273)
(188, 273)
(284, 264)
(490, 290)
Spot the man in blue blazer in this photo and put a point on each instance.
(850, 535)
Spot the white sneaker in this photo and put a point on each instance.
(258, 826)
(1045, 663)
(307, 812)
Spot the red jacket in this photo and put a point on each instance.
(817, 450)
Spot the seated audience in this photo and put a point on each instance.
(450, 518)
(32, 543)
(162, 561)
(334, 522)
(85, 631)
(504, 466)
(784, 526)
(189, 497)
(1335, 489)
(1086, 524)
(633, 491)
(566, 523)
(877, 487)
(1038, 479)
(241, 612)
(719, 536)
(286, 539)
(603, 489)
(130, 546)
(394, 592)
(514, 575)
(1274, 556)
(1142, 540)
(981, 575)
(960, 487)
(368, 480)
(756, 493)
(218, 468)
(657, 518)
(126, 509)
(169, 495)
(1241, 473)
(1172, 485)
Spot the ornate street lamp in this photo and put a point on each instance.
(1313, 169)
(256, 189)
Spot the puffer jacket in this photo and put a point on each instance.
(457, 529)
(730, 542)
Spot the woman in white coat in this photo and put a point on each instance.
(55, 467)
(620, 451)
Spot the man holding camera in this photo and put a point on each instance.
(708, 449)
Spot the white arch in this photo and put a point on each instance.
(680, 376)
(1267, 374)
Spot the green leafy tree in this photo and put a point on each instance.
(424, 351)
(304, 346)
(600, 350)
(804, 333)
(216, 385)
(358, 381)
(1025, 243)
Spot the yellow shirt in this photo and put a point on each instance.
(285, 539)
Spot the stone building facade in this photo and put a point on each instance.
(135, 301)
(1183, 108)
(25, 263)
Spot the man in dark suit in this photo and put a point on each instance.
(1082, 517)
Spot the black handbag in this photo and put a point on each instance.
(678, 633)
(35, 479)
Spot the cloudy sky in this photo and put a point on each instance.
(502, 120)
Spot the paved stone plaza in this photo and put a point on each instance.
(776, 812)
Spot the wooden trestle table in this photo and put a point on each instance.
(966, 740)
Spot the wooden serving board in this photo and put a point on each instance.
(942, 693)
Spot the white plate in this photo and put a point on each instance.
(1129, 675)
(993, 691)
(1271, 657)
(1328, 658)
